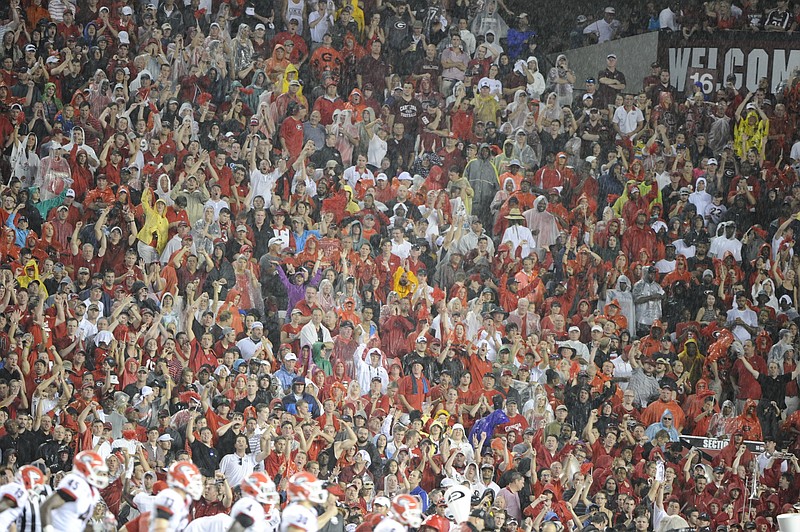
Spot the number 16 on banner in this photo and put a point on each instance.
(702, 76)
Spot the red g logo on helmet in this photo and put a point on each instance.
(185, 476)
(90, 466)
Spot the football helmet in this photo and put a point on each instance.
(407, 509)
(90, 466)
(260, 487)
(304, 486)
(186, 476)
(30, 477)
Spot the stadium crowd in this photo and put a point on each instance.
(384, 265)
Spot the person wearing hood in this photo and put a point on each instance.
(543, 224)
(647, 296)
(369, 366)
(258, 86)
(773, 395)
(751, 129)
(77, 142)
(153, 234)
(517, 111)
(639, 235)
(356, 233)
(276, 65)
(725, 241)
(30, 274)
(700, 198)
(561, 79)
(502, 159)
(483, 178)
(777, 351)
(666, 423)
(621, 293)
(632, 201)
(24, 160)
(721, 423)
(523, 149)
(241, 59)
(488, 18)
(692, 360)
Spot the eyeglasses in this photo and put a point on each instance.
(667, 419)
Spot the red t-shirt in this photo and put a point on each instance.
(749, 388)
(516, 424)
(406, 389)
(292, 134)
(200, 357)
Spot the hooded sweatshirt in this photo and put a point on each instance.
(365, 371)
(544, 223)
(25, 162)
(482, 176)
(653, 429)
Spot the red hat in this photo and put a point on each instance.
(334, 489)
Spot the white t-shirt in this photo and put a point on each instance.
(236, 468)
(353, 175)
(627, 120)
(318, 31)
(604, 30)
(376, 151)
(262, 185)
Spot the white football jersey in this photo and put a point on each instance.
(175, 505)
(223, 522)
(255, 511)
(299, 516)
(390, 525)
(82, 497)
(30, 520)
(16, 492)
(211, 523)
